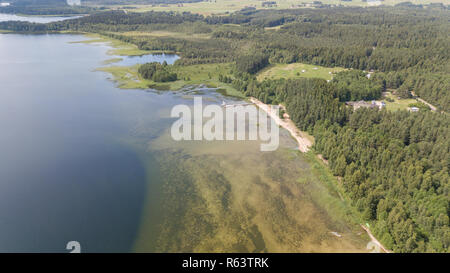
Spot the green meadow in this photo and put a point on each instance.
(127, 77)
(229, 6)
(118, 47)
(397, 104)
(297, 70)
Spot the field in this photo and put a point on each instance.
(127, 77)
(397, 104)
(178, 35)
(297, 70)
(229, 6)
(118, 47)
(207, 74)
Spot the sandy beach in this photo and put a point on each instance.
(304, 145)
(303, 142)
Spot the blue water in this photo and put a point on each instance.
(71, 167)
(160, 58)
(34, 19)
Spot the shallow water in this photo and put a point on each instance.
(84, 161)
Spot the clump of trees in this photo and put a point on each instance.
(157, 72)
(252, 63)
(422, 106)
(307, 100)
(225, 78)
(354, 85)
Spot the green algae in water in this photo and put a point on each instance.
(230, 197)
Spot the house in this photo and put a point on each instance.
(379, 104)
(358, 104)
(373, 2)
(373, 104)
(414, 109)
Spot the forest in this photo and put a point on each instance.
(45, 7)
(60, 7)
(410, 53)
(395, 166)
(138, 2)
(354, 85)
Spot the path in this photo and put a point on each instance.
(374, 240)
(432, 107)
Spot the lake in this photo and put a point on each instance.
(34, 19)
(82, 160)
(148, 58)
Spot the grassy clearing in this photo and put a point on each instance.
(178, 35)
(229, 6)
(119, 48)
(127, 77)
(111, 61)
(396, 103)
(297, 70)
(205, 8)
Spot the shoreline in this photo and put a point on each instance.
(304, 144)
(374, 240)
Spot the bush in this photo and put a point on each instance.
(422, 106)
(157, 72)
